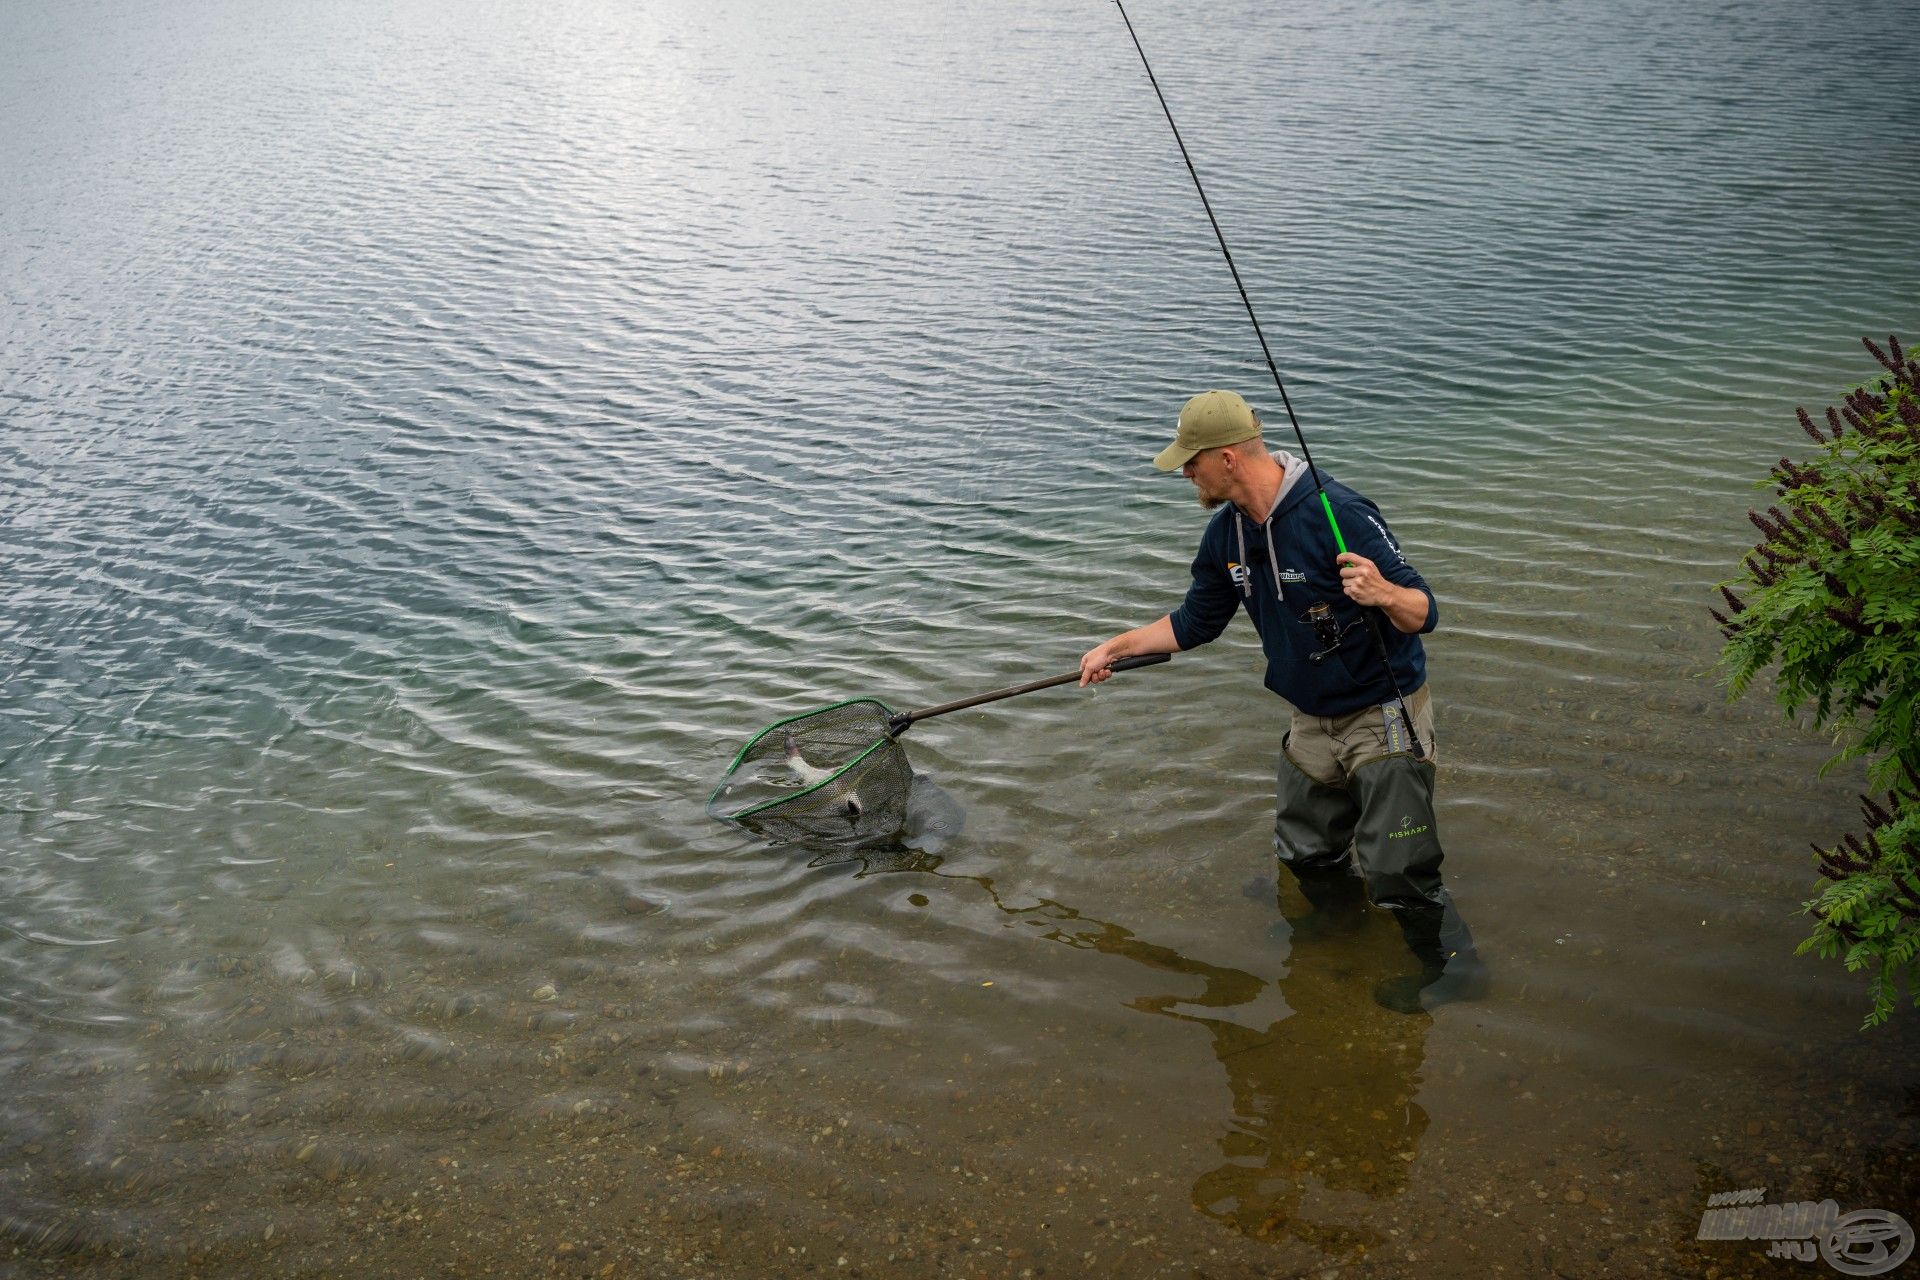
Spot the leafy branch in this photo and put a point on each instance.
(1829, 599)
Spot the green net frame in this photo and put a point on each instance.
(833, 776)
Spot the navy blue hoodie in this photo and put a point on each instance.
(1279, 569)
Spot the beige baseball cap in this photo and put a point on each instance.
(1210, 419)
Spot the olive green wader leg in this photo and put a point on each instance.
(1398, 843)
(1313, 826)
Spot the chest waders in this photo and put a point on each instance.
(1342, 791)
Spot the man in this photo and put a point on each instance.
(1349, 776)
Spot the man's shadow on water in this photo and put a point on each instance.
(1322, 1080)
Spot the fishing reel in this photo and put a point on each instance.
(1327, 631)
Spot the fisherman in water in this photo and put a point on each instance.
(1349, 776)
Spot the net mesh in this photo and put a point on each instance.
(834, 776)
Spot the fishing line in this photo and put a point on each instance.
(1326, 504)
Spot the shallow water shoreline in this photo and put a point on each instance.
(432, 441)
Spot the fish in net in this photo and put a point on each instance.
(838, 776)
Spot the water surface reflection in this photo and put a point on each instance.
(1322, 1085)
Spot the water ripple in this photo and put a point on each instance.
(433, 443)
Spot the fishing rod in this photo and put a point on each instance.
(1326, 504)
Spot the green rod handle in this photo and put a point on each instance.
(1326, 505)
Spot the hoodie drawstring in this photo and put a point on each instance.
(1273, 557)
(1240, 533)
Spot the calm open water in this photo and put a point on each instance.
(434, 437)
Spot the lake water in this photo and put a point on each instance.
(434, 438)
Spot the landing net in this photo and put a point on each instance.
(832, 776)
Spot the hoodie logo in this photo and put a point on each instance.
(1238, 572)
(1399, 556)
(1292, 575)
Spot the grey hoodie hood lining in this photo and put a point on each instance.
(1292, 471)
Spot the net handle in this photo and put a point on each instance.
(907, 719)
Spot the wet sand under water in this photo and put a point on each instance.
(1330, 1138)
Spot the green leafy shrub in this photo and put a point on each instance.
(1830, 599)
